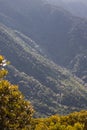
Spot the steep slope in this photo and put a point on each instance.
(50, 88)
(78, 66)
(60, 34)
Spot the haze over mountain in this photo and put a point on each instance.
(50, 88)
(76, 7)
(53, 28)
(40, 35)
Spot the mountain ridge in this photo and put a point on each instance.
(32, 69)
(56, 31)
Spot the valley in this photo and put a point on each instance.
(47, 48)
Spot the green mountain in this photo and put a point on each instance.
(60, 35)
(78, 66)
(50, 88)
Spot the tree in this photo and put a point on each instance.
(41, 126)
(15, 111)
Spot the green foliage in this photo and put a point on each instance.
(73, 121)
(15, 111)
(40, 78)
(79, 66)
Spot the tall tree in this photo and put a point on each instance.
(15, 111)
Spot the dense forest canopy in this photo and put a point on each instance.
(16, 112)
(46, 43)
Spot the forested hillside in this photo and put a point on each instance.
(40, 78)
(61, 36)
(46, 47)
(16, 112)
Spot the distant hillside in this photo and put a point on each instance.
(76, 7)
(78, 66)
(60, 35)
(49, 87)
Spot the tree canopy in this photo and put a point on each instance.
(15, 110)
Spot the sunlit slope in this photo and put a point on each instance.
(50, 88)
(61, 35)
